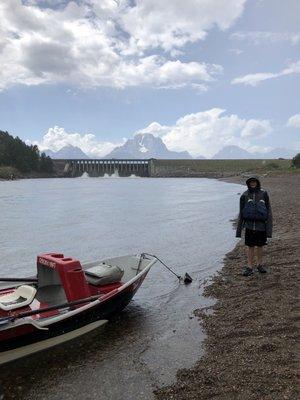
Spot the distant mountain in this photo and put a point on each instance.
(232, 152)
(145, 145)
(280, 153)
(236, 152)
(67, 152)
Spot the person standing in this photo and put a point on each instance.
(256, 217)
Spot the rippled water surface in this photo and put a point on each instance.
(186, 222)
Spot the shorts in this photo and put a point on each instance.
(255, 238)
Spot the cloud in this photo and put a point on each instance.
(259, 149)
(267, 37)
(257, 78)
(173, 24)
(57, 137)
(237, 52)
(206, 132)
(294, 121)
(93, 43)
(256, 128)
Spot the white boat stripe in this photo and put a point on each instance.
(14, 354)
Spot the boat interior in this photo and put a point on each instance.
(62, 279)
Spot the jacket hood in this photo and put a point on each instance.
(251, 178)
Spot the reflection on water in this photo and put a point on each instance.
(184, 221)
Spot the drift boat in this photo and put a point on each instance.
(64, 300)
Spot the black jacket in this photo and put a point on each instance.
(256, 195)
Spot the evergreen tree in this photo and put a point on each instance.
(46, 164)
(296, 161)
(15, 153)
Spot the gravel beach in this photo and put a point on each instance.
(251, 350)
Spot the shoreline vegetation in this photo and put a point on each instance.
(19, 160)
(251, 350)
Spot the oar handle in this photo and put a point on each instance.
(51, 308)
(18, 279)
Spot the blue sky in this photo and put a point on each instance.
(199, 74)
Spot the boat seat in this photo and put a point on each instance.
(51, 294)
(103, 274)
(20, 297)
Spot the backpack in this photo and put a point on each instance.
(255, 211)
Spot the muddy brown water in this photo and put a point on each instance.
(186, 222)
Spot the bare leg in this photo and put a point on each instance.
(259, 255)
(250, 256)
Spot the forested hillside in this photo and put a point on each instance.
(15, 153)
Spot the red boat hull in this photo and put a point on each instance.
(112, 303)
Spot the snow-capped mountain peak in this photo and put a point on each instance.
(146, 145)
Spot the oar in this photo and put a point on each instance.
(50, 308)
(186, 279)
(18, 279)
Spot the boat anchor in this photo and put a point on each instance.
(186, 279)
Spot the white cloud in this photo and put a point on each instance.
(92, 43)
(294, 121)
(256, 128)
(237, 52)
(155, 128)
(259, 149)
(267, 37)
(172, 24)
(57, 137)
(257, 78)
(207, 131)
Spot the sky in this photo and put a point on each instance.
(201, 74)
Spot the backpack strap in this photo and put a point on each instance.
(266, 198)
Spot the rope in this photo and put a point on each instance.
(165, 265)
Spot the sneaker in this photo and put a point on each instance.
(247, 271)
(261, 269)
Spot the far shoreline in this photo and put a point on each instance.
(157, 168)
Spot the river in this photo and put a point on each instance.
(186, 222)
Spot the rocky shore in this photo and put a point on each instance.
(11, 174)
(251, 350)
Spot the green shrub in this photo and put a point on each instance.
(296, 161)
(272, 165)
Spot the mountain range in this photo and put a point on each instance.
(236, 152)
(148, 146)
(145, 145)
(66, 152)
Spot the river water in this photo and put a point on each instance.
(186, 222)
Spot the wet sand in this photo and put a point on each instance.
(251, 350)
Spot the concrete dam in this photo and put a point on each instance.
(158, 168)
(101, 167)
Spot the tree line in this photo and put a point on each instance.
(25, 158)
